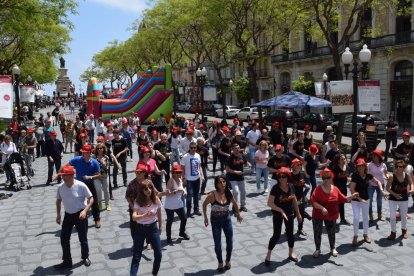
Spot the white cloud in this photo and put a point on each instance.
(135, 6)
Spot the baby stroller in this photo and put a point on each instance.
(17, 169)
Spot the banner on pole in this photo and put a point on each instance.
(320, 90)
(6, 97)
(342, 96)
(369, 96)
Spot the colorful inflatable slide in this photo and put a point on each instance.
(149, 96)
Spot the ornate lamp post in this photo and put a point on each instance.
(16, 74)
(325, 88)
(231, 91)
(364, 57)
(201, 77)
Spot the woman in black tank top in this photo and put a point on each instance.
(220, 200)
(399, 186)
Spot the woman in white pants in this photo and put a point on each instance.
(101, 183)
(400, 186)
(360, 184)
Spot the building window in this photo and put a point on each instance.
(285, 82)
(403, 70)
(366, 26)
(403, 21)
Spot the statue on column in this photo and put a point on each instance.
(62, 62)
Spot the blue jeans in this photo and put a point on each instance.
(259, 173)
(141, 232)
(193, 189)
(252, 152)
(312, 181)
(175, 157)
(371, 191)
(129, 144)
(218, 224)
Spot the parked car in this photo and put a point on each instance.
(183, 106)
(247, 113)
(211, 109)
(195, 108)
(281, 115)
(231, 110)
(317, 121)
(379, 122)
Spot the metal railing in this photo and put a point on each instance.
(373, 43)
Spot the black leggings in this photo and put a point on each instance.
(344, 191)
(317, 232)
(277, 228)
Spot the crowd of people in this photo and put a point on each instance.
(171, 173)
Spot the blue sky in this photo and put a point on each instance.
(97, 23)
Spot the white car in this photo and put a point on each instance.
(183, 106)
(249, 113)
(231, 110)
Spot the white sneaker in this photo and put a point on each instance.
(258, 191)
(266, 191)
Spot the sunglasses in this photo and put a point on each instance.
(326, 177)
(193, 147)
(100, 148)
(283, 176)
(401, 167)
(177, 172)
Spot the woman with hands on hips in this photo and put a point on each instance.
(220, 200)
(147, 212)
(283, 202)
(325, 201)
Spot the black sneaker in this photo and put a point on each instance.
(345, 222)
(184, 236)
(86, 262)
(115, 186)
(243, 209)
(63, 265)
(169, 241)
(197, 212)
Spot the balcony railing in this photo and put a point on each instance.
(262, 73)
(373, 43)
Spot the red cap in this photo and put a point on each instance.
(82, 135)
(109, 125)
(406, 133)
(236, 120)
(100, 139)
(307, 127)
(276, 124)
(142, 130)
(283, 170)
(278, 147)
(30, 130)
(86, 148)
(124, 121)
(225, 129)
(378, 152)
(154, 132)
(141, 168)
(191, 123)
(53, 133)
(215, 122)
(67, 170)
(176, 168)
(313, 148)
(360, 162)
(145, 149)
(200, 125)
(189, 131)
(134, 128)
(152, 120)
(326, 170)
(295, 161)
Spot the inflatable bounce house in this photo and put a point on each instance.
(149, 96)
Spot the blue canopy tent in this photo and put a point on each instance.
(294, 99)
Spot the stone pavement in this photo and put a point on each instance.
(29, 241)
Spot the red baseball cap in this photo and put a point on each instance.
(189, 131)
(313, 148)
(100, 139)
(360, 162)
(378, 152)
(86, 148)
(124, 121)
(326, 170)
(278, 147)
(67, 170)
(53, 133)
(30, 130)
(142, 130)
(295, 161)
(82, 135)
(276, 124)
(152, 120)
(145, 149)
(154, 132)
(307, 127)
(141, 168)
(283, 170)
(176, 168)
(406, 133)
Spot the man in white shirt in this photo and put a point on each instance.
(90, 125)
(185, 142)
(252, 136)
(73, 194)
(193, 176)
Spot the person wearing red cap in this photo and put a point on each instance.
(360, 182)
(152, 126)
(73, 194)
(101, 182)
(276, 134)
(399, 186)
(114, 121)
(155, 138)
(54, 154)
(252, 136)
(174, 141)
(341, 171)
(308, 140)
(284, 206)
(69, 133)
(405, 149)
(142, 140)
(325, 201)
(379, 170)
(119, 149)
(236, 125)
(81, 139)
(48, 128)
(184, 145)
(100, 127)
(162, 124)
(128, 134)
(174, 203)
(391, 129)
(91, 126)
(164, 150)
(261, 158)
(277, 161)
(224, 149)
(87, 170)
(310, 164)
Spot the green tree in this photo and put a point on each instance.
(33, 33)
(306, 86)
(241, 87)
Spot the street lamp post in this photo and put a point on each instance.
(231, 91)
(325, 88)
(364, 57)
(201, 77)
(16, 74)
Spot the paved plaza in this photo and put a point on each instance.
(30, 245)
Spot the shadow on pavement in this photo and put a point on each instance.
(56, 233)
(41, 271)
(121, 253)
(384, 242)
(262, 268)
(264, 213)
(206, 272)
(308, 261)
